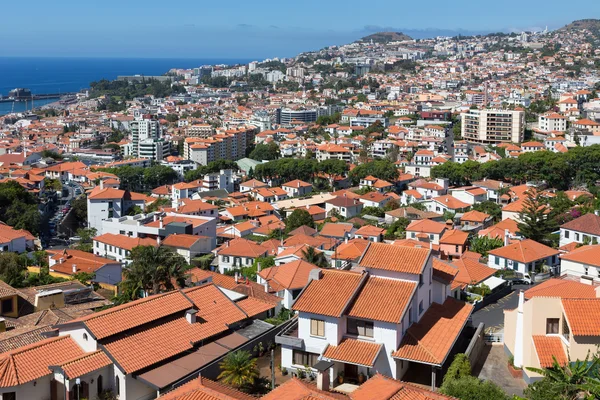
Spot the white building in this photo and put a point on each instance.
(493, 126)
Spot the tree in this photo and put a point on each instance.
(577, 379)
(460, 368)
(12, 269)
(238, 369)
(134, 210)
(491, 208)
(53, 184)
(374, 211)
(79, 209)
(265, 152)
(381, 169)
(298, 218)
(18, 207)
(535, 222)
(154, 269)
(397, 230)
(484, 244)
(315, 257)
(471, 388)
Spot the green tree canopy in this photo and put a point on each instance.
(381, 169)
(536, 223)
(298, 218)
(265, 152)
(18, 207)
(238, 369)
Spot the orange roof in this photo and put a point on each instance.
(205, 389)
(293, 275)
(242, 248)
(336, 230)
(297, 183)
(183, 241)
(475, 216)
(471, 272)
(369, 230)
(383, 299)
(380, 387)
(252, 306)
(81, 260)
(524, 251)
(564, 288)
(330, 294)
(354, 351)
(589, 255)
(454, 236)
(498, 230)
(295, 389)
(430, 340)
(352, 250)
(29, 363)
(548, 347)
(426, 226)
(583, 316)
(388, 257)
(85, 364)
(451, 202)
(443, 270)
(124, 241)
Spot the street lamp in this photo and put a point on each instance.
(78, 383)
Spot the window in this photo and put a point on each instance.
(360, 328)
(429, 296)
(421, 280)
(317, 327)
(7, 306)
(567, 234)
(552, 326)
(421, 307)
(117, 385)
(304, 358)
(100, 386)
(566, 330)
(497, 261)
(9, 396)
(85, 336)
(225, 259)
(248, 261)
(577, 236)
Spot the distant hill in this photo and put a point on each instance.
(386, 37)
(590, 24)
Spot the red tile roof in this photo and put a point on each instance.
(383, 299)
(548, 347)
(292, 275)
(587, 223)
(85, 364)
(583, 316)
(524, 251)
(330, 294)
(388, 257)
(430, 340)
(354, 351)
(561, 288)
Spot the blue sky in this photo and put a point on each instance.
(253, 29)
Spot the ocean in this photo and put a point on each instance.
(59, 75)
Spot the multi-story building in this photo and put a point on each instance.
(386, 319)
(285, 116)
(552, 122)
(493, 126)
(154, 149)
(142, 129)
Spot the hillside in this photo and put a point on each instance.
(386, 37)
(590, 24)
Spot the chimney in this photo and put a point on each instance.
(237, 277)
(518, 354)
(158, 240)
(155, 217)
(61, 260)
(266, 287)
(323, 379)
(258, 268)
(346, 240)
(101, 183)
(161, 223)
(506, 237)
(74, 268)
(315, 274)
(190, 316)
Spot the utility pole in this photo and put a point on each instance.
(272, 368)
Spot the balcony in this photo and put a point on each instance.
(289, 336)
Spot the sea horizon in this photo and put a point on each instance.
(45, 75)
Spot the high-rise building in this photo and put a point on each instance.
(287, 115)
(493, 126)
(143, 129)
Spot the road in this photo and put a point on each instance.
(493, 314)
(449, 141)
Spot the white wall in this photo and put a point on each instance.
(77, 334)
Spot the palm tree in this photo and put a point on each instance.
(154, 268)
(238, 369)
(574, 378)
(317, 258)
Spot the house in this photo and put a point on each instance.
(252, 184)
(585, 229)
(68, 262)
(238, 253)
(8, 301)
(474, 221)
(188, 246)
(348, 254)
(286, 280)
(370, 233)
(557, 319)
(492, 187)
(106, 203)
(410, 213)
(453, 243)
(15, 240)
(344, 206)
(425, 230)
(118, 247)
(470, 195)
(297, 188)
(375, 199)
(505, 229)
(445, 203)
(115, 349)
(524, 256)
(582, 262)
(269, 195)
(385, 319)
(340, 230)
(471, 272)
(379, 185)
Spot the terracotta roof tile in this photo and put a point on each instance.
(242, 248)
(587, 223)
(589, 255)
(383, 299)
(295, 389)
(85, 364)
(380, 387)
(205, 389)
(455, 237)
(426, 226)
(471, 272)
(354, 351)
(31, 362)
(388, 257)
(292, 275)
(330, 294)
(548, 347)
(443, 270)
(431, 339)
(583, 316)
(524, 251)
(561, 288)
(253, 307)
